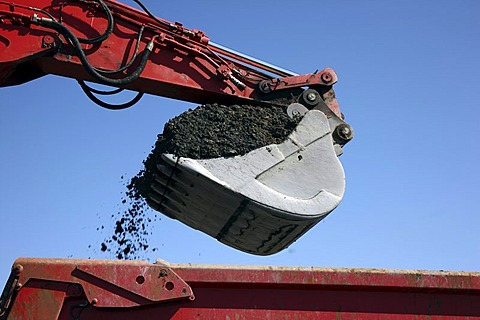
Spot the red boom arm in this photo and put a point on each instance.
(83, 39)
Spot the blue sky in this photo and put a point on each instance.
(408, 84)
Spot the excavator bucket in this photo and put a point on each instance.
(262, 201)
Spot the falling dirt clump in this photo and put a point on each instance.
(208, 131)
(131, 228)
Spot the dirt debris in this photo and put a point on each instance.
(132, 227)
(208, 131)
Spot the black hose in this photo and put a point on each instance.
(88, 91)
(151, 15)
(100, 92)
(103, 36)
(97, 73)
(86, 64)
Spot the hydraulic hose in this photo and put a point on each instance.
(89, 92)
(49, 23)
(151, 15)
(103, 36)
(100, 92)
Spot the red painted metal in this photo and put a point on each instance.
(182, 64)
(60, 289)
(38, 283)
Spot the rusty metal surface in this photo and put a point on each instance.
(325, 293)
(43, 286)
(354, 277)
(238, 292)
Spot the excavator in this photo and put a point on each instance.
(259, 202)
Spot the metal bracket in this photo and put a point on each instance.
(100, 283)
(342, 132)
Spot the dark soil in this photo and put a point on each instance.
(209, 131)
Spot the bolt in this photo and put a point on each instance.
(311, 97)
(48, 41)
(344, 132)
(264, 86)
(76, 290)
(326, 77)
(17, 269)
(163, 273)
(94, 301)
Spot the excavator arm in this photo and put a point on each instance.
(259, 202)
(110, 43)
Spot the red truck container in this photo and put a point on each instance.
(104, 289)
